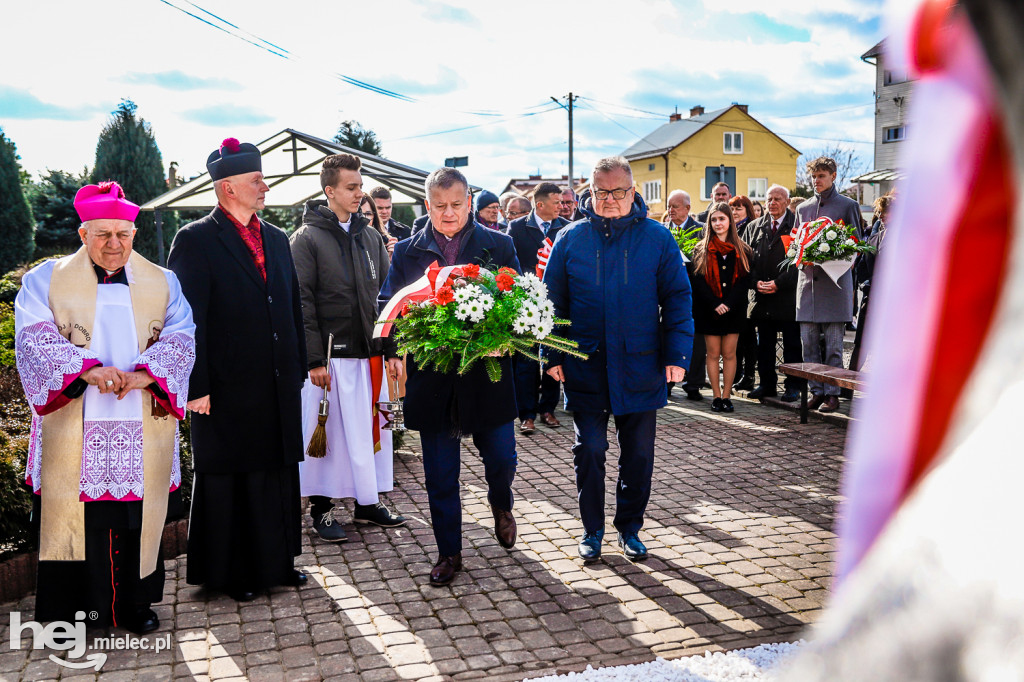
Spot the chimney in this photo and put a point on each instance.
(696, 111)
(534, 177)
(742, 107)
(672, 118)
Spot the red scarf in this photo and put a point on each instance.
(253, 238)
(711, 275)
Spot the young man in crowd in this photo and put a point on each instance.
(824, 307)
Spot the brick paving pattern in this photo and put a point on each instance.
(739, 528)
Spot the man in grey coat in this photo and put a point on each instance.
(823, 306)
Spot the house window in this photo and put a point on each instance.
(704, 190)
(650, 166)
(732, 143)
(892, 77)
(895, 133)
(652, 191)
(757, 188)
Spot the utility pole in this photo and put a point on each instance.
(571, 99)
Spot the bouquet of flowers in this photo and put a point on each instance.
(454, 316)
(830, 245)
(686, 239)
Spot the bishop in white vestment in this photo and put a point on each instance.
(105, 345)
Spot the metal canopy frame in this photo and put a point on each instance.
(297, 179)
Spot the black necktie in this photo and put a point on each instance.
(775, 228)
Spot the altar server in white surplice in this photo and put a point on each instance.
(341, 261)
(105, 344)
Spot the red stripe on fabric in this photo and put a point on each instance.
(376, 378)
(113, 585)
(969, 303)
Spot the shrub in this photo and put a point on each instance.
(15, 498)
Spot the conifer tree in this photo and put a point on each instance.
(16, 224)
(127, 154)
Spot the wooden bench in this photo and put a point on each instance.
(826, 374)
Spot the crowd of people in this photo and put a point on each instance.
(264, 338)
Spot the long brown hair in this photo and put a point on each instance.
(700, 252)
(375, 221)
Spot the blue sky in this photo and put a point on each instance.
(488, 67)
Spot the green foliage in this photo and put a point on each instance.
(288, 219)
(353, 134)
(15, 499)
(403, 213)
(127, 153)
(6, 335)
(16, 223)
(53, 205)
(686, 239)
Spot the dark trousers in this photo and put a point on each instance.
(441, 465)
(319, 505)
(635, 435)
(767, 335)
(697, 373)
(536, 391)
(746, 351)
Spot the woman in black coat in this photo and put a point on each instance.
(721, 265)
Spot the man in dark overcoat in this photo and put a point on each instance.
(442, 406)
(536, 392)
(773, 307)
(236, 272)
(618, 277)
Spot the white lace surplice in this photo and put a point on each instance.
(48, 363)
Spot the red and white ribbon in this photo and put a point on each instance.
(542, 256)
(806, 234)
(434, 277)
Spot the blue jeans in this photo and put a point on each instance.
(441, 465)
(635, 434)
(535, 392)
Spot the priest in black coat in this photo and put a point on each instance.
(442, 406)
(237, 273)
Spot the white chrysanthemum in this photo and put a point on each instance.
(520, 327)
(824, 248)
(529, 312)
(831, 234)
(543, 329)
(463, 294)
(547, 308)
(462, 311)
(529, 281)
(485, 300)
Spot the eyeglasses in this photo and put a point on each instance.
(515, 214)
(603, 194)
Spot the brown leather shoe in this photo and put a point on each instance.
(445, 569)
(504, 527)
(831, 404)
(815, 402)
(526, 427)
(550, 420)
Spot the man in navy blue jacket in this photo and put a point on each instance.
(442, 406)
(619, 278)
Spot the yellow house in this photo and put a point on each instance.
(694, 153)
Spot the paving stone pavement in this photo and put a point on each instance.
(739, 528)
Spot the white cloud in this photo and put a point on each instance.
(505, 58)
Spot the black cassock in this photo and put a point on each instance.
(245, 525)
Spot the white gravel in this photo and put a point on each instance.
(757, 664)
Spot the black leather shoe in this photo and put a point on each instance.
(694, 395)
(243, 595)
(632, 547)
(504, 527)
(745, 383)
(445, 569)
(143, 621)
(727, 405)
(590, 546)
(762, 392)
(716, 405)
(296, 579)
(791, 395)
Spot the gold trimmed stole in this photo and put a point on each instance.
(72, 299)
